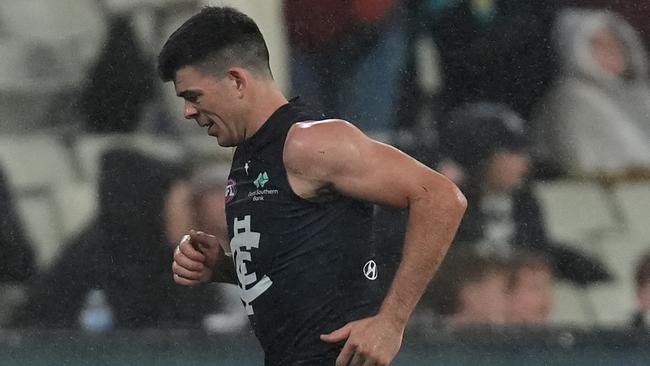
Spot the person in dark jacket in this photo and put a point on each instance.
(125, 251)
(16, 254)
(489, 141)
(120, 83)
(497, 49)
(369, 35)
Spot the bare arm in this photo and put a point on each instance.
(353, 164)
(336, 154)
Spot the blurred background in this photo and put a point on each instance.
(538, 109)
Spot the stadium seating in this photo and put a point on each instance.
(55, 184)
(609, 222)
(37, 168)
(578, 213)
(633, 200)
(88, 150)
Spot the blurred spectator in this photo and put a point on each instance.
(470, 290)
(16, 253)
(208, 200)
(635, 12)
(489, 142)
(641, 318)
(530, 289)
(346, 57)
(126, 252)
(492, 49)
(119, 84)
(595, 120)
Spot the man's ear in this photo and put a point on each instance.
(240, 78)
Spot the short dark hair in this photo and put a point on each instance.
(460, 269)
(531, 260)
(212, 40)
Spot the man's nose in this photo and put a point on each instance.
(190, 111)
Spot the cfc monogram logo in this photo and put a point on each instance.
(242, 242)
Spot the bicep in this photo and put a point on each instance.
(382, 174)
(337, 155)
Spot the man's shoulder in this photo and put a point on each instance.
(319, 142)
(320, 136)
(319, 131)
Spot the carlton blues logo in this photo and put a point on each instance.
(231, 190)
(242, 243)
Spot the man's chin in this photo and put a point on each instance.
(223, 143)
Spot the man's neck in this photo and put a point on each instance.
(268, 100)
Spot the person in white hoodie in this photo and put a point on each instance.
(595, 120)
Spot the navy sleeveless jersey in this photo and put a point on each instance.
(304, 268)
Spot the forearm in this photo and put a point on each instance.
(432, 224)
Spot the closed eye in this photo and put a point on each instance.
(189, 96)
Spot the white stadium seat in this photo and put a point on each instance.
(614, 302)
(35, 161)
(42, 224)
(569, 306)
(577, 212)
(633, 200)
(90, 148)
(37, 167)
(78, 202)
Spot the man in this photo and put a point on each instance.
(297, 206)
(530, 289)
(470, 290)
